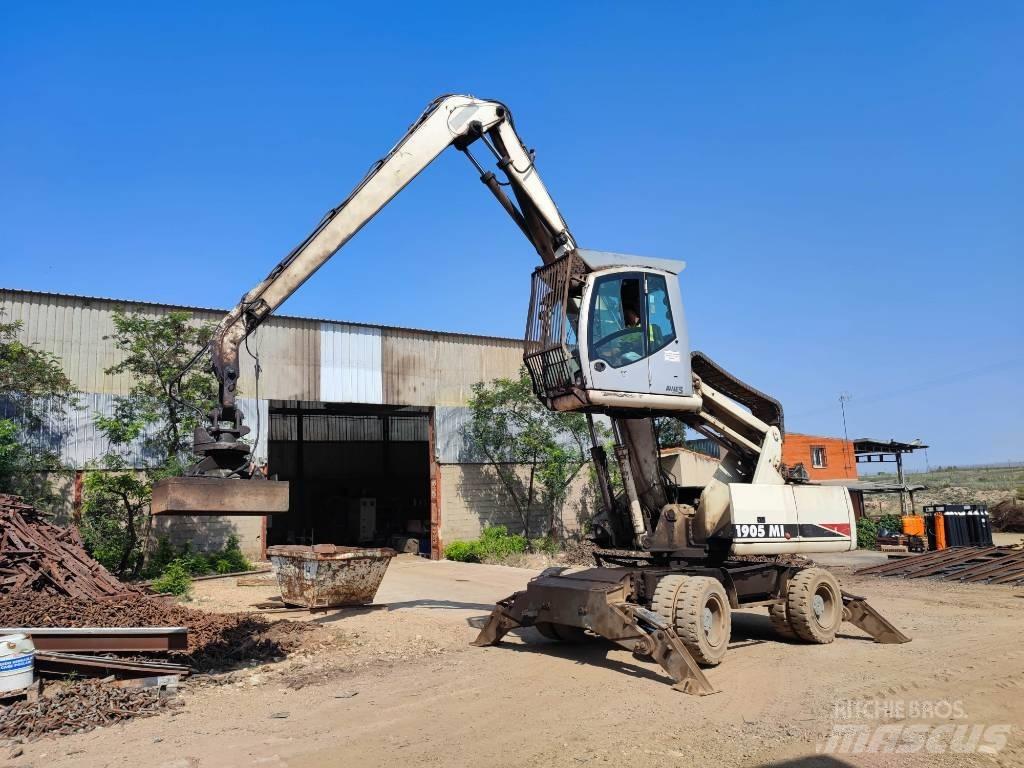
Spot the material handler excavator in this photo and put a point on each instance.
(605, 334)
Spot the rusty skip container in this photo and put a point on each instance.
(328, 576)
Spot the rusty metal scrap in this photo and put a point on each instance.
(104, 639)
(77, 708)
(59, 664)
(988, 565)
(39, 557)
(215, 641)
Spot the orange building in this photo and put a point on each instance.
(824, 458)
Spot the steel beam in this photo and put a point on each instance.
(104, 639)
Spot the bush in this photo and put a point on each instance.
(495, 543)
(463, 551)
(226, 560)
(547, 545)
(175, 580)
(891, 523)
(196, 563)
(168, 566)
(159, 558)
(867, 533)
(230, 559)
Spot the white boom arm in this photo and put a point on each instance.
(450, 120)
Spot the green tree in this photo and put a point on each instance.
(158, 409)
(514, 432)
(671, 432)
(157, 413)
(33, 386)
(115, 523)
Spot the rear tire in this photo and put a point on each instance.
(561, 633)
(698, 608)
(814, 605)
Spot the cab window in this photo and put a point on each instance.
(617, 320)
(660, 328)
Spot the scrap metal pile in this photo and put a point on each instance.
(41, 558)
(215, 641)
(48, 580)
(79, 707)
(979, 565)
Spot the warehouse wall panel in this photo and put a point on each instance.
(72, 432)
(423, 368)
(350, 364)
(73, 329)
(453, 442)
(289, 353)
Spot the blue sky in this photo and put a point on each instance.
(845, 181)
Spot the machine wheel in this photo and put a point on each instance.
(698, 608)
(665, 593)
(814, 605)
(561, 632)
(780, 622)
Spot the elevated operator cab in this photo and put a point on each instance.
(606, 332)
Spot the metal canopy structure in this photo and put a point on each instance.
(869, 446)
(869, 451)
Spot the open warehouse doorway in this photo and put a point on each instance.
(360, 475)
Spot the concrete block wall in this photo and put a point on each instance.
(473, 497)
(208, 533)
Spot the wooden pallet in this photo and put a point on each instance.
(986, 565)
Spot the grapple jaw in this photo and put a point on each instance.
(224, 480)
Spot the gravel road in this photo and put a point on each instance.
(399, 685)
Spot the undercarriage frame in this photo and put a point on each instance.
(613, 600)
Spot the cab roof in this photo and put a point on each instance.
(606, 260)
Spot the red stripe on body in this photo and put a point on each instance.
(843, 528)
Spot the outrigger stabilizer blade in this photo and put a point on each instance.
(858, 612)
(594, 599)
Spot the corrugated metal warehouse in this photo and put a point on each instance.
(367, 422)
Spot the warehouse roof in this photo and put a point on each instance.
(164, 305)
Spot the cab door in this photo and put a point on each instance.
(634, 342)
(616, 333)
(668, 353)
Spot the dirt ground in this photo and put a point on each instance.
(400, 685)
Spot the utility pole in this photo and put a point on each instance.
(844, 398)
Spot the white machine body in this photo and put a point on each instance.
(790, 519)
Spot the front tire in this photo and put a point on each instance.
(698, 609)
